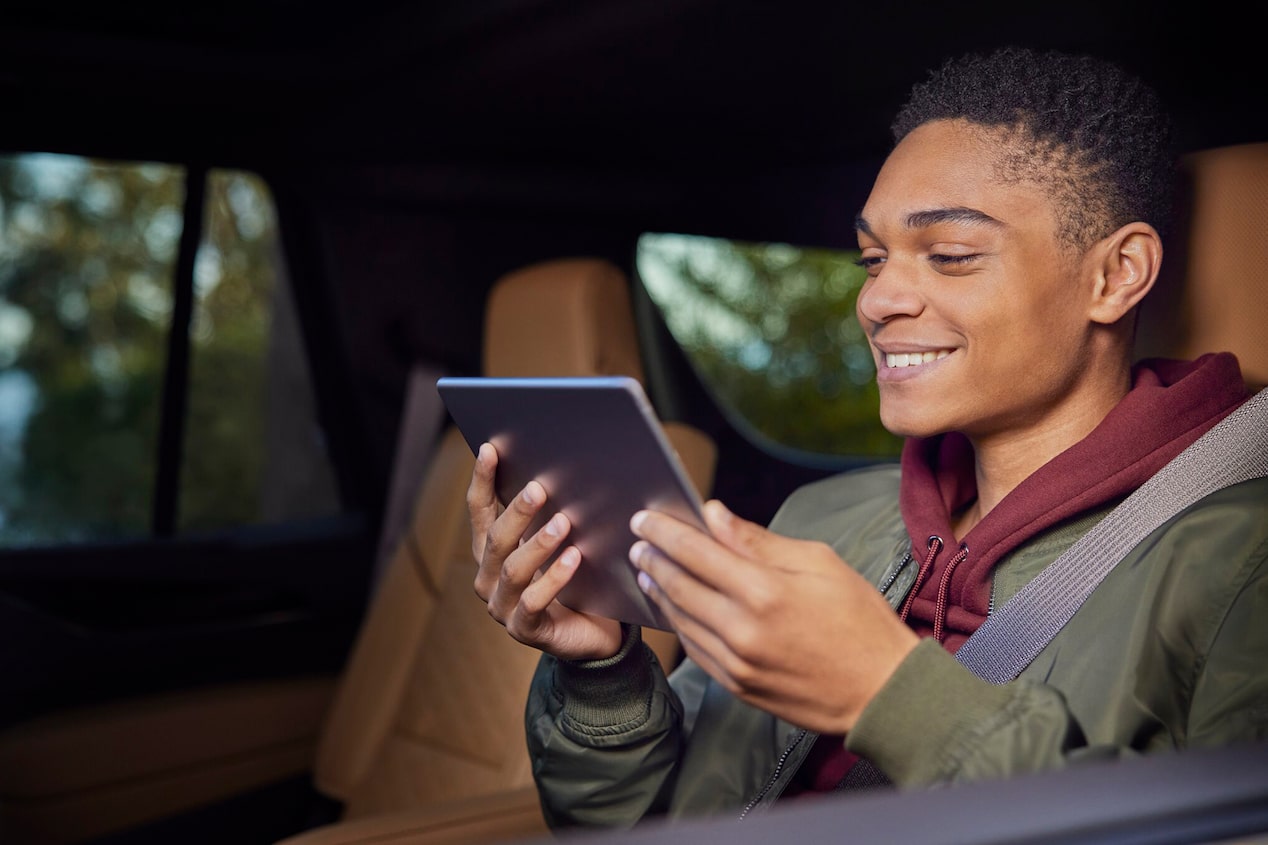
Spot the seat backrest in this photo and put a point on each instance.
(1213, 293)
(430, 706)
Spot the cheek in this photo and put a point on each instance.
(1031, 306)
(1029, 344)
(1019, 336)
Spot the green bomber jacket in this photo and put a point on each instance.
(1169, 652)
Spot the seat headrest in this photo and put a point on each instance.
(564, 317)
(1213, 292)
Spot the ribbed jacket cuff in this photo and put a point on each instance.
(613, 693)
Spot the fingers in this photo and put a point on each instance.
(501, 536)
(519, 568)
(538, 595)
(507, 559)
(713, 564)
(685, 599)
(745, 538)
(722, 588)
(715, 629)
(482, 502)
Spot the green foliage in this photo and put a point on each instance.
(234, 280)
(771, 328)
(87, 259)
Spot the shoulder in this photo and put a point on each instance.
(1228, 523)
(1202, 562)
(852, 498)
(856, 485)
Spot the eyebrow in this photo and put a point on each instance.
(934, 216)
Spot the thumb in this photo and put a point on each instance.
(745, 538)
(759, 544)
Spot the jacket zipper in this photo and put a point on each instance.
(779, 767)
(893, 576)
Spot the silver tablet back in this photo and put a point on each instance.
(598, 449)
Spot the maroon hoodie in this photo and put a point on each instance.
(1171, 404)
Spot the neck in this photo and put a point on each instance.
(1005, 459)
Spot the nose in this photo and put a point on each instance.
(888, 294)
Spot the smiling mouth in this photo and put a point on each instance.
(896, 360)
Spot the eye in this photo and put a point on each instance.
(943, 260)
(870, 263)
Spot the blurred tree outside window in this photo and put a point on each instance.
(253, 451)
(87, 261)
(771, 330)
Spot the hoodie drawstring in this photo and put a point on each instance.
(944, 585)
(935, 543)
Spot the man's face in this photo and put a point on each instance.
(976, 318)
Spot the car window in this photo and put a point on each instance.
(770, 328)
(88, 275)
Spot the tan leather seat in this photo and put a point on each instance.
(1213, 295)
(425, 740)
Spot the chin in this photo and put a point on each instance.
(910, 423)
(901, 425)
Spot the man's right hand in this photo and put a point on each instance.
(519, 593)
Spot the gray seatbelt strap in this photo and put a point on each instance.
(1234, 450)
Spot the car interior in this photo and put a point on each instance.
(239, 242)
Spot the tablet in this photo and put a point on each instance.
(598, 449)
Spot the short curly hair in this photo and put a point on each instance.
(1098, 137)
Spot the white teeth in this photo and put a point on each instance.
(914, 359)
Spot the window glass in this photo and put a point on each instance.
(88, 253)
(771, 329)
(253, 452)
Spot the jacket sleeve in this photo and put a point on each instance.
(605, 737)
(934, 721)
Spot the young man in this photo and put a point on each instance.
(1008, 239)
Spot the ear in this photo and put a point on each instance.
(1127, 264)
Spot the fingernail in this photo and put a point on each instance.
(645, 582)
(718, 511)
(531, 494)
(555, 527)
(636, 552)
(637, 519)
